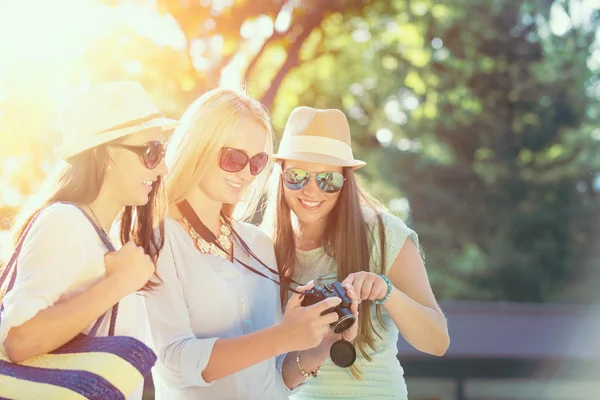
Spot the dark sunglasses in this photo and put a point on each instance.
(329, 182)
(235, 160)
(151, 153)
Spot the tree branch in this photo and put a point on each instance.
(254, 61)
(276, 35)
(311, 21)
(307, 25)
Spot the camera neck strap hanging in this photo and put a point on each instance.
(202, 230)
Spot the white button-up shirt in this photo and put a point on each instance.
(203, 298)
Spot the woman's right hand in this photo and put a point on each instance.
(130, 266)
(305, 327)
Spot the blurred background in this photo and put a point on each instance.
(479, 120)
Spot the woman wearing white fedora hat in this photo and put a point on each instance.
(326, 227)
(67, 279)
(215, 319)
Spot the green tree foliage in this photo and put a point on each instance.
(478, 118)
(482, 118)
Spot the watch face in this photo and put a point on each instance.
(342, 353)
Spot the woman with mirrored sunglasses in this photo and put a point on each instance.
(66, 277)
(215, 322)
(327, 228)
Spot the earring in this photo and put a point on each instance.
(108, 167)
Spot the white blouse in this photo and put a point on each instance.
(202, 298)
(61, 257)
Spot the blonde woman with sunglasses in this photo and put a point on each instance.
(215, 317)
(326, 228)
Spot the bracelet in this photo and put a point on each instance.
(389, 291)
(305, 374)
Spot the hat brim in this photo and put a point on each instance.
(69, 150)
(319, 159)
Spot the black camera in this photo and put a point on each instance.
(318, 293)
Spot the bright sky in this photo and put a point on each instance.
(59, 31)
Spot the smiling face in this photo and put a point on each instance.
(248, 141)
(129, 179)
(310, 203)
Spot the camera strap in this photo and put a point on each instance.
(188, 213)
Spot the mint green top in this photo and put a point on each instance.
(383, 377)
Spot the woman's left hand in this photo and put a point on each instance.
(367, 285)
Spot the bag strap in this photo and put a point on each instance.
(11, 268)
(110, 247)
(13, 259)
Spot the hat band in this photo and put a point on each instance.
(132, 123)
(316, 145)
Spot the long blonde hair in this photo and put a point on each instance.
(348, 239)
(203, 130)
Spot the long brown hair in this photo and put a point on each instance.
(347, 239)
(80, 182)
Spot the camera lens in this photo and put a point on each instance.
(344, 323)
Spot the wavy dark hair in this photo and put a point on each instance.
(80, 182)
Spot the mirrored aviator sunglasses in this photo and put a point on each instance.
(329, 182)
(235, 160)
(151, 153)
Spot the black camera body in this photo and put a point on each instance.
(319, 293)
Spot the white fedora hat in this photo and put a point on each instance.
(319, 136)
(107, 112)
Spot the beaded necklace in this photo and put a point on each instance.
(224, 239)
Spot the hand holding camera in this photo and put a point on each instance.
(305, 326)
(345, 315)
(342, 352)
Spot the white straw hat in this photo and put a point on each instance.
(107, 112)
(319, 136)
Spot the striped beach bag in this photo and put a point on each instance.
(87, 367)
